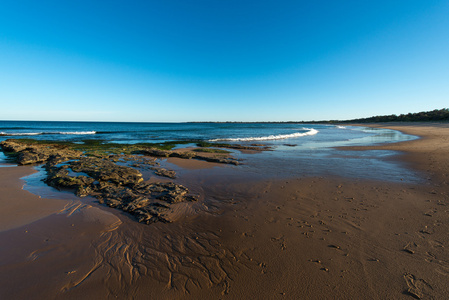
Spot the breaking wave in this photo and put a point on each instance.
(310, 131)
(42, 133)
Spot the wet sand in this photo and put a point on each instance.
(20, 207)
(301, 238)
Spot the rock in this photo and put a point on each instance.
(220, 160)
(117, 186)
(83, 191)
(12, 146)
(165, 173)
(112, 202)
(190, 155)
(157, 152)
(31, 154)
(184, 155)
(30, 157)
(149, 202)
(104, 170)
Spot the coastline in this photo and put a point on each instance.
(316, 238)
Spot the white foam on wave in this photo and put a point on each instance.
(20, 133)
(341, 127)
(78, 132)
(41, 133)
(310, 131)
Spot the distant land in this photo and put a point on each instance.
(439, 115)
(436, 115)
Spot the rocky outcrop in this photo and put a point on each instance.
(165, 173)
(33, 154)
(119, 187)
(149, 202)
(108, 178)
(10, 146)
(60, 179)
(105, 170)
(221, 159)
(168, 153)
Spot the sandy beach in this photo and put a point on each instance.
(299, 238)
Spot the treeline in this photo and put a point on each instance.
(440, 115)
(424, 116)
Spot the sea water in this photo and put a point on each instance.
(297, 149)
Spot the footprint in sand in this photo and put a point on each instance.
(417, 288)
(335, 247)
(427, 230)
(281, 239)
(430, 213)
(410, 248)
(442, 270)
(436, 244)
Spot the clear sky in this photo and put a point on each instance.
(228, 60)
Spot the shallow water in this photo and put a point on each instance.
(318, 155)
(5, 162)
(34, 184)
(372, 164)
(297, 150)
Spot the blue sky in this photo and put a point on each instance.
(175, 61)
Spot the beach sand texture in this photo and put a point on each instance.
(299, 238)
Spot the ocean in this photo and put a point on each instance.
(297, 149)
(272, 133)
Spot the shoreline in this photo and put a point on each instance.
(310, 238)
(427, 154)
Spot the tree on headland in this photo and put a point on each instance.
(424, 116)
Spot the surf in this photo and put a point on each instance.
(43, 133)
(309, 132)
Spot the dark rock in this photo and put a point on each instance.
(184, 155)
(165, 173)
(149, 202)
(189, 155)
(117, 186)
(104, 170)
(220, 160)
(157, 152)
(31, 154)
(83, 191)
(11, 146)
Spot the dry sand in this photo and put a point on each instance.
(302, 238)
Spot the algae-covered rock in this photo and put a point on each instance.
(37, 153)
(157, 152)
(149, 202)
(115, 185)
(104, 170)
(190, 155)
(12, 146)
(184, 155)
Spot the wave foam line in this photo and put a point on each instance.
(270, 137)
(78, 132)
(41, 133)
